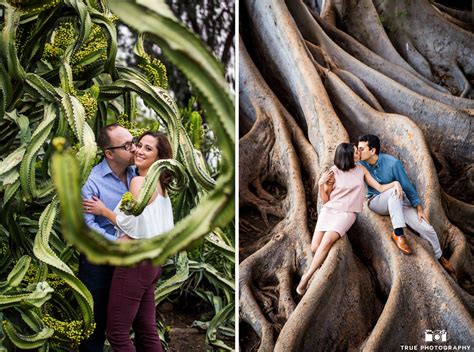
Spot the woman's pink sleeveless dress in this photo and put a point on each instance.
(345, 200)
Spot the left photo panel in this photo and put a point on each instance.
(117, 172)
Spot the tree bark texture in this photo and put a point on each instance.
(315, 75)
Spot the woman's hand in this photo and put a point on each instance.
(326, 183)
(124, 238)
(94, 206)
(327, 178)
(372, 182)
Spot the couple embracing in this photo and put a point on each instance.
(390, 192)
(124, 297)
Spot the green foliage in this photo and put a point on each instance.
(58, 85)
(127, 201)
(54, 281)
(34, 7)
(153, 68)
(132, 126)
(192, 121)
(65, 34)
(213, 267)
(90, 105)
(62, 37)
(207, 271)
(26, 342)
(71, 331)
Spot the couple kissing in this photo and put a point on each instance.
(124, 297)
(389, 192)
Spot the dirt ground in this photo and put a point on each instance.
(183, 337)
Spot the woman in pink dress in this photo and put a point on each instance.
(342, 192)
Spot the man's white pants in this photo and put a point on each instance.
(403, 214)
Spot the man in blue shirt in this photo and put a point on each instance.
(403, 212)
(108, 181)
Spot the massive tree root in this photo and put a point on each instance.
(465, 17)
(443, 44)
(268, 146)
(447, 129)
(363, 23)
(327, 88)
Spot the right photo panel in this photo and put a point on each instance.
(356, 177)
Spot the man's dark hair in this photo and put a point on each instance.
(103, 138)
(372, 141)
(344, 157)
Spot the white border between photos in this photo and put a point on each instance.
(236, 212)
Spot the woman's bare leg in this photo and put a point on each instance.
(328, 240)
(317, 237)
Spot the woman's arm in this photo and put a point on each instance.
(110, 215)
(325, 188)
(372, 182)
(97, 207)
(323, 194)
(136, 185)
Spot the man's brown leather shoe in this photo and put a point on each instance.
(401, 243)
(447, 266)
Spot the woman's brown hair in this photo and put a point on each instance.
(164, 152)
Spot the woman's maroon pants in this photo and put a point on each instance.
(132, 304)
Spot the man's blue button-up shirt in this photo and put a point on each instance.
(108, 187)
(388, 169)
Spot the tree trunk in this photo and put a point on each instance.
(306, 86)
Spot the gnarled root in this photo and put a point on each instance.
(266, 276)
(438, 40)
(447, 130)
(326, 314)
(367, 295)
(461, 214)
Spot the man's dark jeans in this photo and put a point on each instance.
(97, 279)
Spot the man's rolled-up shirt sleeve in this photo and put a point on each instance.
(408, 188)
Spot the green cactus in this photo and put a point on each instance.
(58, 85)
(72, 331)
(34, 7)
(192, 121)
(154, 69)
(90, 105)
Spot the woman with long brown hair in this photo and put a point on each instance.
(132, 293)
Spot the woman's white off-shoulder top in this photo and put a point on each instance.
(156, 219)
